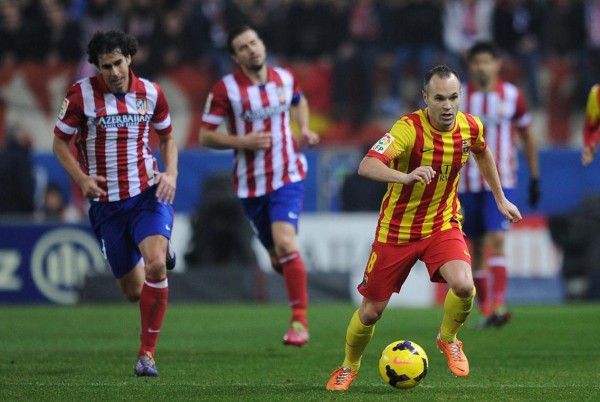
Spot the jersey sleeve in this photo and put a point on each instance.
(161, 120)
(395, 143)
(591, 125)
(217, 106)
(71, 115)
(296, 91)
(478, 144)
(522, 118)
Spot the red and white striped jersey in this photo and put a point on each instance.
(113, 132)
(500, 111)
(246, 107)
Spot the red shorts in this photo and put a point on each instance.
(389, 264)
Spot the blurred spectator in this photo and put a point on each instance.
(410, 43)
(34, 29)
(211, 20)
(172, 43)
(98, 15)
(63, 40)
(564, 45)
(517, 30)
(308, 32)
(464, 23)
(16, 174)
(12, 38)
(568, 15)
(355, 61)
(221, 233)
(591, 62)
(141, 21)
(56, 208)
(265, 17)
(360, 194)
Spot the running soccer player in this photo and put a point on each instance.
(421, 158)
(110, 114)
(501, 107)
(256, 102)
(591, 126)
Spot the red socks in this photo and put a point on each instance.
(294, 275)
(499, 281)
(483, 295)
(153, 305)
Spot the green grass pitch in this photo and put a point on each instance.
(235, 352)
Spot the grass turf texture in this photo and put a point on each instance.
(235, 352)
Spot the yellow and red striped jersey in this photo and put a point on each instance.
(591, 126)
(413, 212)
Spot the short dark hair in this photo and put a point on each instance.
(482, 47)
(234, 33)
(441, 71)
(104, 42)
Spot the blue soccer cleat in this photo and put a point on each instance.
(145, 366)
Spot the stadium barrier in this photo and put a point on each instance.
(61, 263)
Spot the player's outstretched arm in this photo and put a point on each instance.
(301, 114)
(375, 169)
(167, 181)
(88, 184)
(253, 141)
(587, 156)
(487, 167)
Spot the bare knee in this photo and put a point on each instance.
(285, 246)
(132, 296)
(156, 268)
(369, 314)
(131, 290)
(463, 289)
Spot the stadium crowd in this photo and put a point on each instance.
(355, 38)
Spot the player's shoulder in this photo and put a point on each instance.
(412, 120)
(471, 119)
(146, 83)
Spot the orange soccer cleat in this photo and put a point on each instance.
(457, 361)
(340, 380)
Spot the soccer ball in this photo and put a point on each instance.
(403, 364)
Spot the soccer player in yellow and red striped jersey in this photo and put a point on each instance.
(591, 126)
(420, 159)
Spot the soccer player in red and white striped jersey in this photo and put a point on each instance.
(256, 102)
(502, 108)
(110, 116)
(420, 159)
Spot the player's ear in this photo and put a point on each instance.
(424, 94)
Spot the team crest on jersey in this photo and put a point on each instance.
(142, 106)
(63, 109)
(383, 143)
(465, 147)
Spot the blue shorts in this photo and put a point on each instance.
(480, 213)
(281, 205)
(120, 227)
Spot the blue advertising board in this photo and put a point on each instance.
(47, 263)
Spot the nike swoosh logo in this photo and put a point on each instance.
(466, 253)
(423, 150)
(398, 361)
(154, 331)
(168, 227)
(99, 110)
